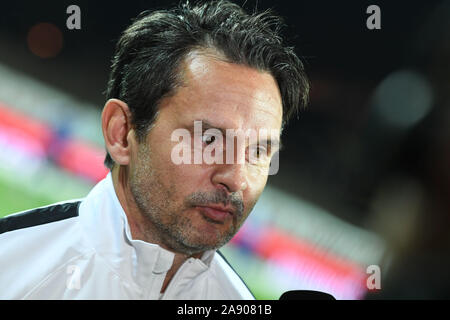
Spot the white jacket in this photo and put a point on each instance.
(82, 249)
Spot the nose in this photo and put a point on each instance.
(232, 177)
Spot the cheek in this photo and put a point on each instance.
(257, 180)
(183, 179)
(171, 169)
(189, 178)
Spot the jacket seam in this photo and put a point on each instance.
(112, 269)
(53, 273)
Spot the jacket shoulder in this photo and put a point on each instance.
(39, 216)
(34, 244)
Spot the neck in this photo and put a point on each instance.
(140, 227)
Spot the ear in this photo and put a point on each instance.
(116, 125)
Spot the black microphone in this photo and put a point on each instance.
(306, 295)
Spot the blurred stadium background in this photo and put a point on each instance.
(365, 174)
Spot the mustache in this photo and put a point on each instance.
(200, 198)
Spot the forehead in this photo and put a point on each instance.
(226, 94)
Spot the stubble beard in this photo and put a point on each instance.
(166, 222)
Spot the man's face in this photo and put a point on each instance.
(174, 198)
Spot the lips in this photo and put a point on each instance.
(215, 213)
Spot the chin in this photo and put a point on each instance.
(207, 239)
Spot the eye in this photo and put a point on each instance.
(208, 139)
(258, 152)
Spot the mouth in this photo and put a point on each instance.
(216, 214)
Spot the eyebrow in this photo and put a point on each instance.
(208, 125)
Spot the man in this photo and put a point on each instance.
(151, 228)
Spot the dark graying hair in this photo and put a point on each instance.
(146, 63)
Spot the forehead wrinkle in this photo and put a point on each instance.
(233, 104)
(199, 64)
(208, 80)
